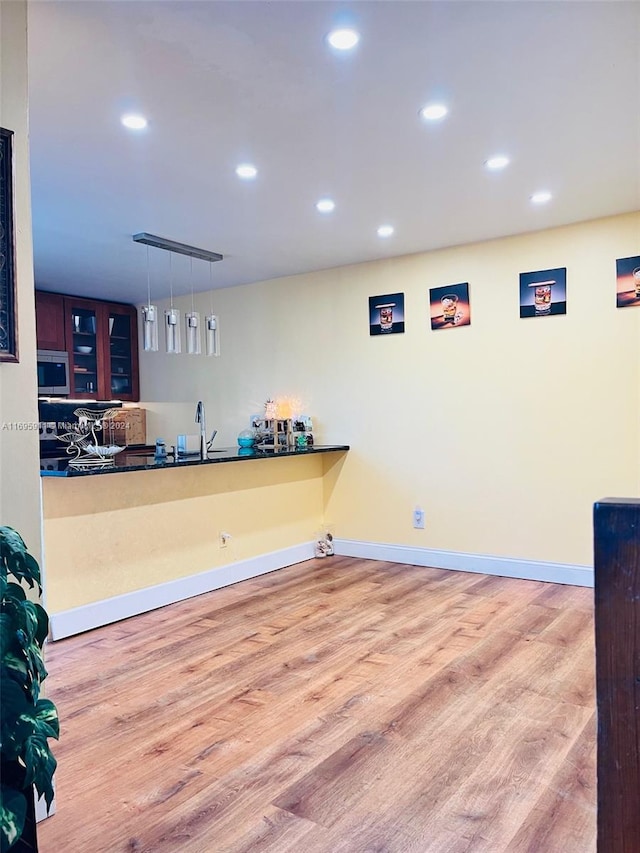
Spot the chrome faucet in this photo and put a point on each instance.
(200, 419)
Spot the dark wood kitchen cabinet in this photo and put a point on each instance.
(50, 321)
(103, 350)
(102, 341)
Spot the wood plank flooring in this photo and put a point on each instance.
(337, 706)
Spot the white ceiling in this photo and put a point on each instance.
(555, 85)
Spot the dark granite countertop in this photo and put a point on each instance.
(137, 460)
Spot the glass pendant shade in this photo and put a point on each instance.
(150, 328)
(192, 332)
(172, 330)
(212, 333)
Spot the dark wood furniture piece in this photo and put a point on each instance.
(617, 625)
(50, 330)
(101, 339)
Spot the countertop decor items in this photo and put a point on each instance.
(82, 441)
(247, 438)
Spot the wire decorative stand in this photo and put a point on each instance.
(82, 441)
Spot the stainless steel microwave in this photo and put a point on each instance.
(53, 373)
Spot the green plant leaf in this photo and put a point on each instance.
(30, 616)
(16, 560)
(42, 630)
(15, 723)
(36, 670)
(7, 632)
(40, 766)
(13, 810)
(47, 718)
(13, 592)
(15, 668)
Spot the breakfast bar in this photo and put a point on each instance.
(146, 460)
(159, 531)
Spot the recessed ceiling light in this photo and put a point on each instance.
(325, 205)
(246, 171)
(541, 197)
(434, 112)
(344, 39)
(385, 231)
(497, 162)
(134, 122)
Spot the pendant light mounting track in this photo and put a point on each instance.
(179, 248)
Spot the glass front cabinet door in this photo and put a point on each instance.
(123, 354)
(103, 355)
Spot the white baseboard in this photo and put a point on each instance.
(84, 618)
(88, 616)
(503, 566)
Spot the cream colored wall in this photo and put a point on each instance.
(19, 468)
(505, 432)
(113, 534)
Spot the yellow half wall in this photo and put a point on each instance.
(112, 534)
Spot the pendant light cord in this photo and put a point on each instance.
(171, 279)
(148, 281)
(193, 307)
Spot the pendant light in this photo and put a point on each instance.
(192, 321)
(172, 319)
(149, 318)
(212, 331)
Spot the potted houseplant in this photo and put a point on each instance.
(26, 720)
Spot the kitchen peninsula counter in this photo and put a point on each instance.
(146, 461)
(125, 545)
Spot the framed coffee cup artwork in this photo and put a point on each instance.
(386, 314)
(449, 306)
(543, 293)
(628, 282)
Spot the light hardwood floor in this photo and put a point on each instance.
(337, 706)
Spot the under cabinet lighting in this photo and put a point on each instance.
(212, 335)
(150, 328)
(172, 330)
(192, 330)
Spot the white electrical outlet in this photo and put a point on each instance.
(418, 518)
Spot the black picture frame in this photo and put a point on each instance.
(8, 308)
